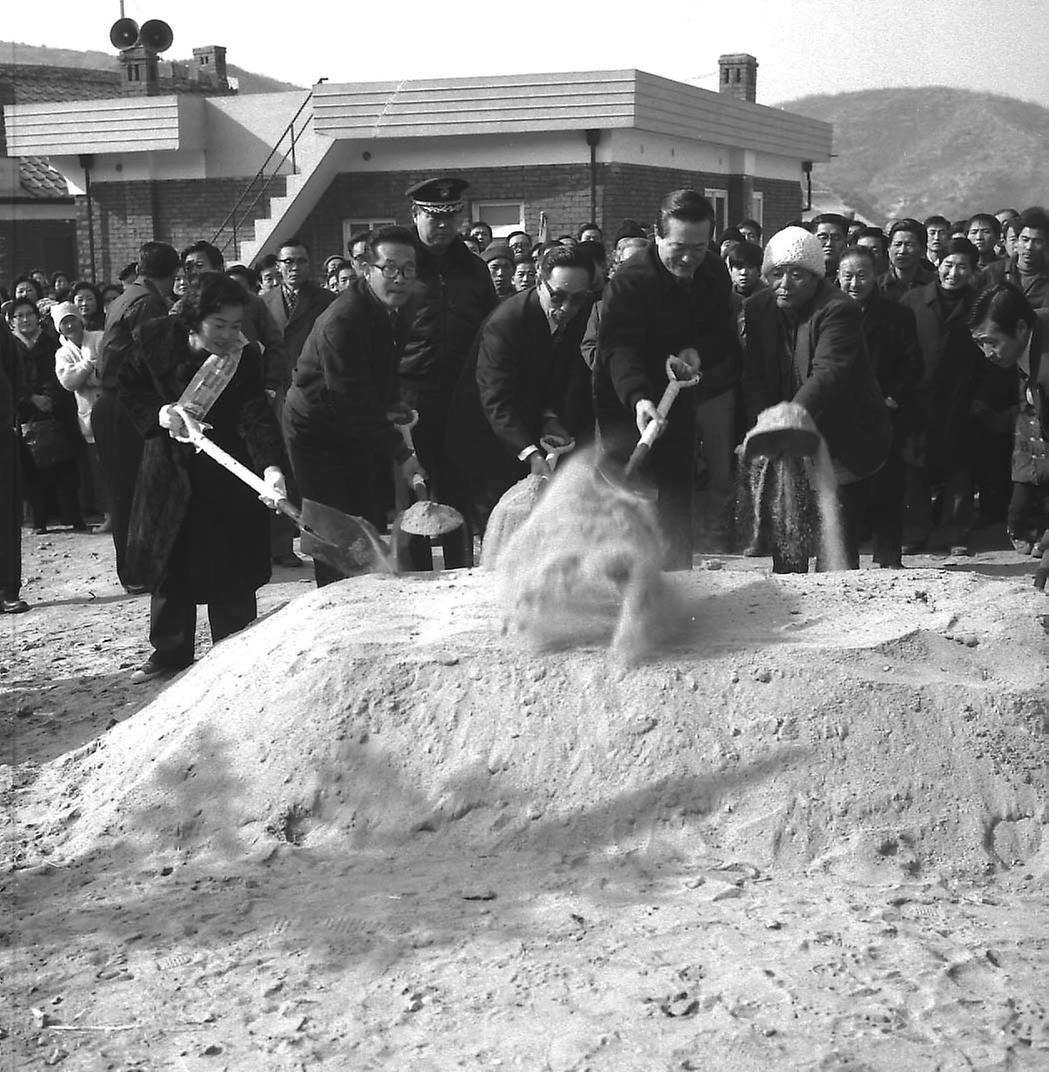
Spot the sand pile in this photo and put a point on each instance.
(881, 722)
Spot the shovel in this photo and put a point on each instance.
(680, 375)
(423, 517)
(345, 543)
(783, 430)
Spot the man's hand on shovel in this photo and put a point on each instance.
(682, 372)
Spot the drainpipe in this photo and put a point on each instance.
(592, 138)
(86, 160)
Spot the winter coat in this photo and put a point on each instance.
(1031, 438)
(294, 330)
(346, 377)
(77, 369)
(647, 316)
(193, 525)
(891, 336)
(140, 301)
(517, 373)
(951, 367)
(453, 294)
(820, 361)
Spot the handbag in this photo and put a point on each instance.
(49, 442)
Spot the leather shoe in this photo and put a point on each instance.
(151, 669)
(288, 559)
(13, 606)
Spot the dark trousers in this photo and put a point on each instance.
(1028, 512)
(173, 623)
(329, 468)
(882, 511)
(120, 449)
(852, 502)
(60, 482)
(447, 481)
(10, 516)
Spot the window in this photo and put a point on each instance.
(719, 199)
(351, 227)
(757, 207)
(502, 216)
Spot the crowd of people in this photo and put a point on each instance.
(916, 350)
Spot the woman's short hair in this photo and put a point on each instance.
(206, 295)
(32, 282)
(19, 302)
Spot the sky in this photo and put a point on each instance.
(802, 46)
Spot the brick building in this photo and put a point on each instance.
(577, 146)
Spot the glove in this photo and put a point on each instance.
(275, 479)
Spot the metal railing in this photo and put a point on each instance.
(229, 230)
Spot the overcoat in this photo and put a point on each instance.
(194, 526)
(517, 371)
(294, 329)
(819, 360)
(951, 367)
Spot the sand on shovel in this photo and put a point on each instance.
(788, 488)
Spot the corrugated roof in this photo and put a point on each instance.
(40, 180)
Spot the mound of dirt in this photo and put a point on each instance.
(874, 723)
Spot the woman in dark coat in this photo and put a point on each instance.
(940, 454)
(197, 534)
(43, 399)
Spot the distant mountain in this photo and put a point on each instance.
(41, 55)
(913, 152)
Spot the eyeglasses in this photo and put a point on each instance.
(294, 261)
(391, 271)
(563, 297)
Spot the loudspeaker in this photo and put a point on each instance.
(124, 34)
(155, 35)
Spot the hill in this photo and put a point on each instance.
(40, 55)
(913, 152)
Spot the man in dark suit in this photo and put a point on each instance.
(294, 306)
(891, 336)
(523, 381)
(672, 299)
(1013, 335)
(335, 418)
(119, 441)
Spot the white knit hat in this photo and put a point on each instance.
(60, 310)
(794, 245)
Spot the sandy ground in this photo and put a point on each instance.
(373, 833)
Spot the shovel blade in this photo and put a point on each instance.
(344, 542)
(430, 519)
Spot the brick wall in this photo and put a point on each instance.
(27, 244)
(562, 190)
(782, 203)
(126, 214)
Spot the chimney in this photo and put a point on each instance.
(739, 76)
(211, 65)
(141, 72)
